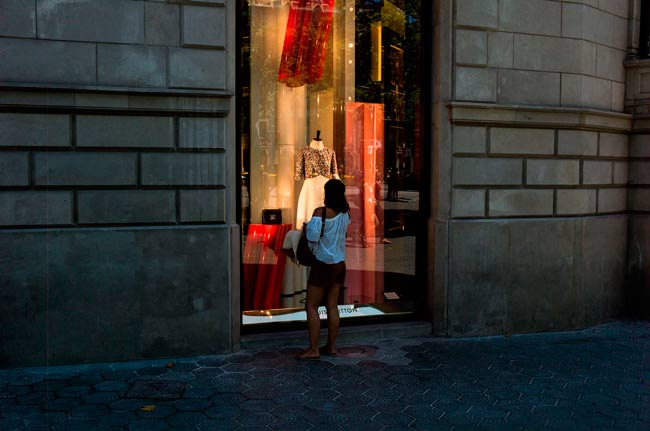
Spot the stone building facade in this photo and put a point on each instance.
(119, 236)
(537, 166)
(117, 175)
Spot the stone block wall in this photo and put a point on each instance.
(113, 169)
(536, 146)
(121, 43)
(541, 52)
(538, 222)
(117, 155)
(502, 168)
(529, 275)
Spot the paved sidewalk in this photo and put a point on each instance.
(594, 379)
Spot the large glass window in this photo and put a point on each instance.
(331, 88)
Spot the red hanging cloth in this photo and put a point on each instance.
(305, 42)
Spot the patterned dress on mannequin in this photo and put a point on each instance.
(316, 166)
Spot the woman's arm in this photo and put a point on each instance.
(314, 225)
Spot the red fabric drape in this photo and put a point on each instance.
(264, 265)
(305, 42)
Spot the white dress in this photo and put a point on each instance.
(312, 196)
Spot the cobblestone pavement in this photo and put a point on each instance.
(594, 379)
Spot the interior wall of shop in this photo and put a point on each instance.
(534, 141)
(118, 235)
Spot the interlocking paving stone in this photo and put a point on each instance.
(223, 412)
(111, 385)
(35, 398)
(392, 420)
(199, 392)
(74, 391)
(49, 386)
(291, 425)
(11, 391)
(61, 404)
(124, 375)
(182, 366)
(192, 405)
(100, 397)
(420, 425)
(425, 399)
(117, 419)
(256, 418)
(218, 424)
(228, 399)
(424, 412)
(85, 380)
(387, 406)
(186, 419)
(240, 359)
(148, 425)
(82, 424)
(127, 405)
(7, 404)
(321, 394)
(183, 376)
(19, 412)
(258, 405)
(379, 394)
(11, 424)
(155, 411)
(49, 419)
(212, 362)
(206, 373)
(156, 389)
(237, 367)
(229, 387)
(152, 371)
(89, 411)
(583, 380)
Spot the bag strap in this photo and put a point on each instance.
(322, 225)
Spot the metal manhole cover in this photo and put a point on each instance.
(158, 389)
(357, 351)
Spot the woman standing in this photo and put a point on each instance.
(328, 270)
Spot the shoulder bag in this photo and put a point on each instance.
(303, 253)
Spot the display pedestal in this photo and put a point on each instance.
(264, 264)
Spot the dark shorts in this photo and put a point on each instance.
(326, 275)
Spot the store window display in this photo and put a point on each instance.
(331, 90)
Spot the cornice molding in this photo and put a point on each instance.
(472, 113)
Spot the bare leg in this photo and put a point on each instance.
(314, 297)
(333, 320)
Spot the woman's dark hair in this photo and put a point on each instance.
(335, 196)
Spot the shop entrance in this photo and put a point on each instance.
(335, 84)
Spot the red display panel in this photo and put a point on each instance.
(305, 42)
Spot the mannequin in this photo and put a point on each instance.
(316, 144)
(315, 164)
